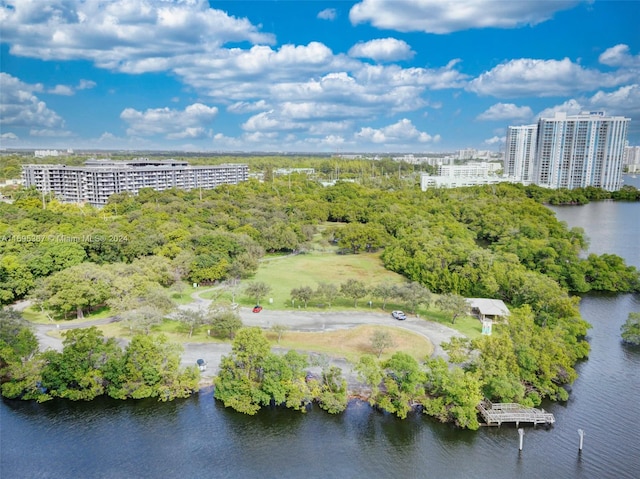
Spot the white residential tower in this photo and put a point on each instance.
(580, 150)
(520, 152)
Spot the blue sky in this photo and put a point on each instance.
(308, 76)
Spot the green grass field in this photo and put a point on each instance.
(288, 272)
(353, 343)
(183, 295)
(467, 325)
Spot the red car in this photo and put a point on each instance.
(257, 308)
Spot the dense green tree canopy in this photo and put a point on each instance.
(224, 324)
(150, 367)
(78, 372)
(91, 365)
(456, 241)
(252, 376)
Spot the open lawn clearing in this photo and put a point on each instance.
(310, 269)
(468, 325)
(183, 294)
(354, 342)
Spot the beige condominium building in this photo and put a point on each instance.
(99, 179)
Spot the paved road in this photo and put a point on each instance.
(293, 319)
(302, 320)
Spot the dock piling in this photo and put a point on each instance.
(581, 434)
(521, 433)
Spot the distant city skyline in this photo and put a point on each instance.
(375, 76)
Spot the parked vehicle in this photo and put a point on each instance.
(257, 308)
(399, 315)
(202, 365)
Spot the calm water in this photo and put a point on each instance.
(612, 227)
(197, 438)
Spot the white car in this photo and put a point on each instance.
(399, 315)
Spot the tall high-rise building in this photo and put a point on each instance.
(519, 154)
(632, 158)
(580, 150)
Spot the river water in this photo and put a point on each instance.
(198, 438)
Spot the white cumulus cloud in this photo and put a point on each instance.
(247, 74)
(270, 121)
(244, 107)
(125, 35)
(619, 55)
(190, 133)
(402, 131)
(433, 78)
(571, 107)
(446, 16)
(534, 77)
(374, 91)
(69, 90)
(382, 49)
(229, 61)
(506, 111)
(190, 123)
(86, 85)
(333, 141)
(624, 101)
(19, 107)
(64, 90)
(495, 140)
(328, 14)
(261, 121)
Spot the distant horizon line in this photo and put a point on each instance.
(239, 152)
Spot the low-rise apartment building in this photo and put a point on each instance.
(95, 182)
(468, 174)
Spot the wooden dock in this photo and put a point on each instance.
(498, 413)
